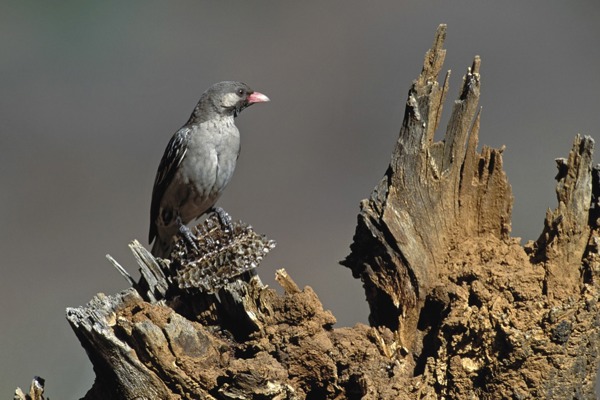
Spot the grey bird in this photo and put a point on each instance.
(198, 163)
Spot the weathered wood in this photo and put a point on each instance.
(153, 283)
(432, 194)
(562, 244)
(480, 316)
(36, 390)
(120, 373)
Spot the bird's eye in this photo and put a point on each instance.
(240, 92)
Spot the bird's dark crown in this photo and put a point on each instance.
(227, 98)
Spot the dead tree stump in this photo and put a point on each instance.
(459, 309)
(432, 194)
(479, 315)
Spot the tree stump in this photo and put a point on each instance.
(479, 315)
(458, 308)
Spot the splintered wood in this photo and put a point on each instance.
(433, 194)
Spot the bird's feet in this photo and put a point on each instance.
(186, 234)
(224, 219)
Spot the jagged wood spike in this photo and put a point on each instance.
(152, 270)
(121, 270)
(429, 198)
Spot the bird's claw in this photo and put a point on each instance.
(224, 219)
(187, 235)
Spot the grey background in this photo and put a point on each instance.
(90, 93)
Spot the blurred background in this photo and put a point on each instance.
(91, 92)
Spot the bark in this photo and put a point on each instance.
(458, 308)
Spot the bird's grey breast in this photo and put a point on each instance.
(213, 152)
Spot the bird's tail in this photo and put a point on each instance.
(162, 248)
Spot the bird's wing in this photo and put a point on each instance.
(174, 154)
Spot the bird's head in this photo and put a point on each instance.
(226, 98)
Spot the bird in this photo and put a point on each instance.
(197, 164)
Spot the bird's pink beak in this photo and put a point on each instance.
(257, 97)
